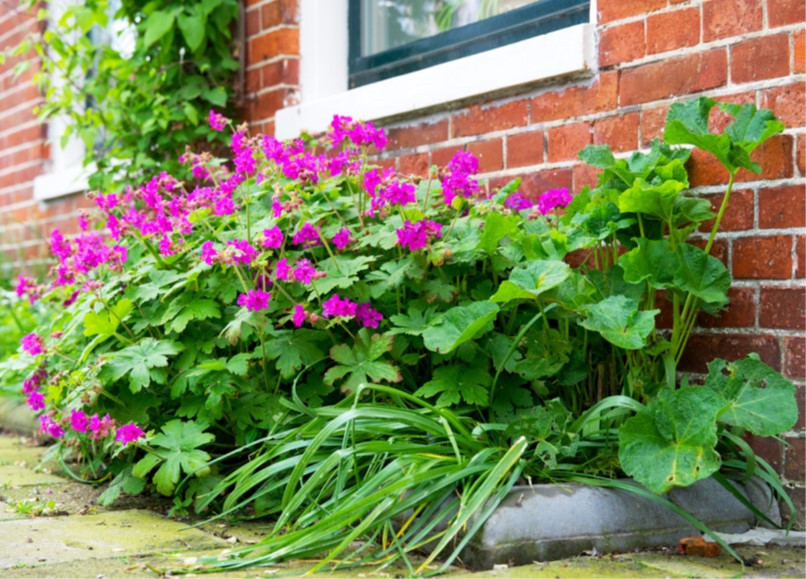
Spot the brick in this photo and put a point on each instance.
(740, 312)
(723, 18)
(718, 121)
(763, 257)
(652, 124)
(767, 448)
(673, 76)
(783, 12)
(672, 30)
(783, 308)
(800, 399)
(801, 156)
(800, 252)
(795, 365)
(719, 249)
(279, 12)
(566, 141)
(265, 105)
(478, 120)
(703, 348)
(799, 50)
(620, 132)
(252, 20)
(490, 154)
(775, 158)
(782, 207)
(795, 460)
(525, 149)
(610, 10)
(760, 58)
(585, 175)
(600, 95)
(415, 135)
(279, 42)
(416, 164)
(533, 184)
(738, 214)
(442, 156)
(622, 43)
(788, 102)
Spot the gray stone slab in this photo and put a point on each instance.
(547, 522)
(15, 416)
(19, 476)
(112, 534)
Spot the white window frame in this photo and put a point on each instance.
(324, 72)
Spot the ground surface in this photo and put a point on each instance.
(52, 527)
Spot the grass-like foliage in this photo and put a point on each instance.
(375, 357)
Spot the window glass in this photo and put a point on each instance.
(389, 24)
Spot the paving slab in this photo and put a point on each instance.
(18, 476)
(116, 533)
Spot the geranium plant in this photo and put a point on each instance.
(299, 302)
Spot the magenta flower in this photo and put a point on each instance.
(27, 286)
(304, 271)
(254, 300)
(518, 202)
(209, 254)
(342, 239)
(273, 238)
(337, 306)
(79, 421)
(49, 426)
(224, 206)
(276, 208)
(458, 179)
(128, 433)
(397, 193)
(36, 401)
(243, 159)
(33, 344)
(166, 246)
(552, 199)
(299, 316)
(32, 383)
(307, 236)
(368, 316)
(244, 252)
(217, 120)
(342, 128)
(282, 270)
(101, 427)
(417, 235)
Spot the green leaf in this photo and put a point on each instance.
(414, 323)
(619, 321)
(496, 227)
(538, 277)
(105, 323)
(657, 200)
(157, 25)
(193, 29)
(457, 383)
(360, 363)
(193, 308)
(178, 444)
(341, 273)
(216, 96)
(140, 360)
(653, 260)
(671, 441)
(599, 156)
(751, 127)
(756, 397)
(294, 349)
(459, 325)
(702, 275)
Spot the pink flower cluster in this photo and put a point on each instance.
(518, 202)
(307, 236)
(30, 387)
(273, 238)
(363, 313)
(417, 235)
(383, 189)
(217, 120)
(237, 251)
(33, 344)
(458, 180)
(360, 134)
(81, 255)
(28, 286)
(99, 427)
(553, 199)
(342, 239)
(254, 300)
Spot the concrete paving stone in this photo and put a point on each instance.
(15, 416)
(117, 533)
(20, 476)
(14, 449)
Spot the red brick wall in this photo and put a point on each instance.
(650, 53)
(24, 222)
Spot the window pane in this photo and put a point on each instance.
(387, 24)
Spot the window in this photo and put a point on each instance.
(65, 172)
(393, 37)
(412, 55)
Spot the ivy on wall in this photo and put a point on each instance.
(134, 81)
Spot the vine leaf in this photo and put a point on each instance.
(458, 325)
(455, 384)
(619, 321)
(142, 362)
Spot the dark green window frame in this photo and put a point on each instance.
(513, 26)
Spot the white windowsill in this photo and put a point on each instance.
(566, 51)
(63, 182)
